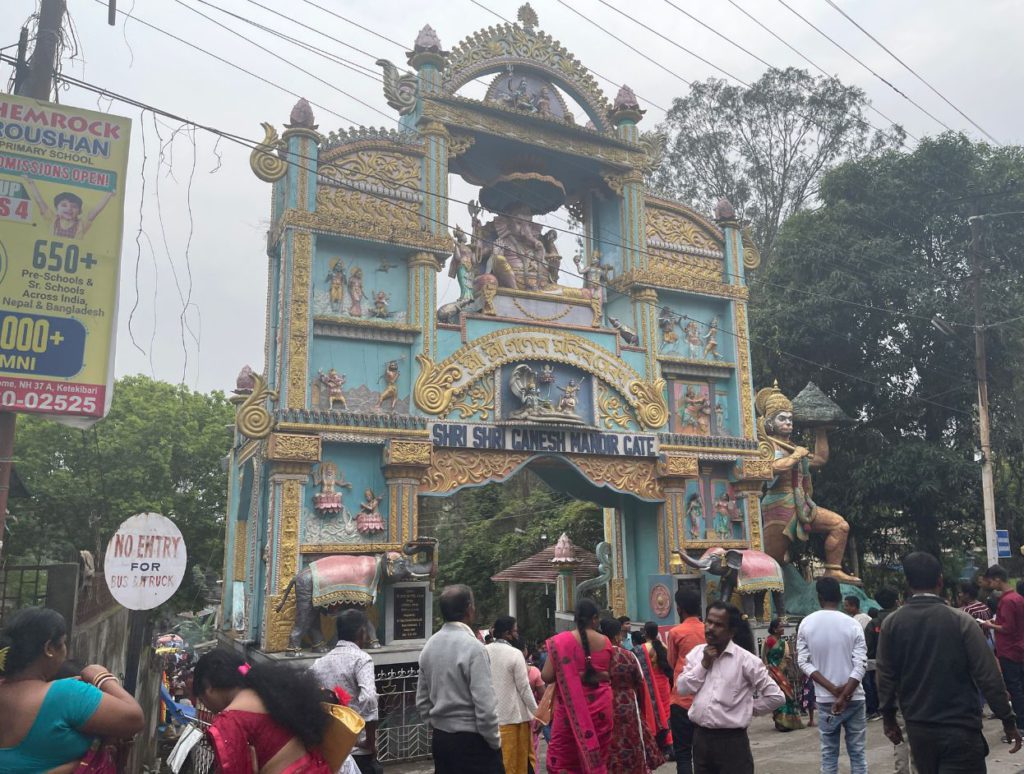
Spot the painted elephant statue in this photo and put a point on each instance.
(335, 583)
(749, 572)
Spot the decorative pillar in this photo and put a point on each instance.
(566, 562)
(513, 598)
(428, 59)
(302, 143)
(422, 303)
(675, 471)
(404, 465)
(645, 309)
(625, 115)
(617, 584)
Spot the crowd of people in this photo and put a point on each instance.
(607, 699)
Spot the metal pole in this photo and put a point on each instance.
(980, 367)
(39, 84)
(21, 68)
(7, 423)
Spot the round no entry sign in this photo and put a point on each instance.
(145, 561)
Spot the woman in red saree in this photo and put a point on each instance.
(653, 657)
(581, 726)
(634, 749)
(269, 719)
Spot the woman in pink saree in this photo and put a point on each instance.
(578, 664)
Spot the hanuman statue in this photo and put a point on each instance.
(787, 510)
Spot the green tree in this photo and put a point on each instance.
(890, 240)
(161, 448)
(764, 147)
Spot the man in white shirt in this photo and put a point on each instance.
(730, 684)
(831, 650)
(516, 703)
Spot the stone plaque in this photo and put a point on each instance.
(409, 613)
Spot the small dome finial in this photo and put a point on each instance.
(724, 210)
(527, 16)
(427, 40)
(301, 116)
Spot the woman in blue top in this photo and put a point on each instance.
(50, 724)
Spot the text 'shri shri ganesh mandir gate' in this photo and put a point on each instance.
(615, 365)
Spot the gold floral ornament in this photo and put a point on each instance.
(651, 409)
(264, 160)
(433, 391)
(400, 89)
(3, 657)
(478, 398)
(612, 410)
(253, 419)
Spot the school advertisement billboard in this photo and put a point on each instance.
(62, 175)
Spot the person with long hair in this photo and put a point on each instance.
(516, 702)
(776, 656)
(653, 658)
(53, 724)
(634, 750)
(269, 718)
(581, 727)
(730, 685)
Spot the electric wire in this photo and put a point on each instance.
(911, 70)
(743, 339)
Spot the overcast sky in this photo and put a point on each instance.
(971, 52)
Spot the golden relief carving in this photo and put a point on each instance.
(279, 624)
(375, 167)
(615, 182)
(348, 548)
(241, 535)
(555, 137)
(743, 358)
(377, 230)
(612, 410)
(676, 229)
(749, 468)
(754, 517)
(677, 278)
(453, 468)
(679, 465)
(478, 399)
(651, 409)
(669, 262)
(627, 475)
(433, 391)
(264, 160)
(511, 43)
(407, 453)
(459, 143)
(347, 204)
(298, 324)
(299, 448)
(751, 255)
(252, 418)
(618, 589)
(439, 384)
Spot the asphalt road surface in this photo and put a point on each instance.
(796, 752)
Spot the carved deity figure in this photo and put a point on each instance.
(694, 344)
(570, 393)
(336, 279)
(488, 286)
(695, 517)
(328, 478)
(517, 254)
(462, 265)
(543, 101)
(380, 305)
(696, 412)
(711, 341)
(332, 383)
(390, 392)
(788, 512)
(369, 519)
(355, 292)
(727, 512)
(667, 323)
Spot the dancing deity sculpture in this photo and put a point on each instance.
(787, 509)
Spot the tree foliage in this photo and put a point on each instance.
(891, 240)
(484, 530)
(161, 448)
(764, 147)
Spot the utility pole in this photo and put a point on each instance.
(38, 84)
(44, 56)
(981, 370)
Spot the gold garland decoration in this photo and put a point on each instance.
(651, 408)
(433, 391)
(538, 318)
(253, 419)
(264, 161)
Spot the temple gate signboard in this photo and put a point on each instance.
(619, 373)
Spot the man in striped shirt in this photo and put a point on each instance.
(967, 599)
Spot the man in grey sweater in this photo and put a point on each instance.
(933, 659)
(455, 695)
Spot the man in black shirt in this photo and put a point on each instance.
(933, 659)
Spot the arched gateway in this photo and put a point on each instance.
(625, 366)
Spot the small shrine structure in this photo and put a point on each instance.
(613, 360)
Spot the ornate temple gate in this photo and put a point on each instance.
(622, 374)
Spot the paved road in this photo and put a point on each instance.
(796, 752)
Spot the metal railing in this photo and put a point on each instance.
(401, 734)
(43, 585)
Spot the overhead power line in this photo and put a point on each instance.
(912, 71)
